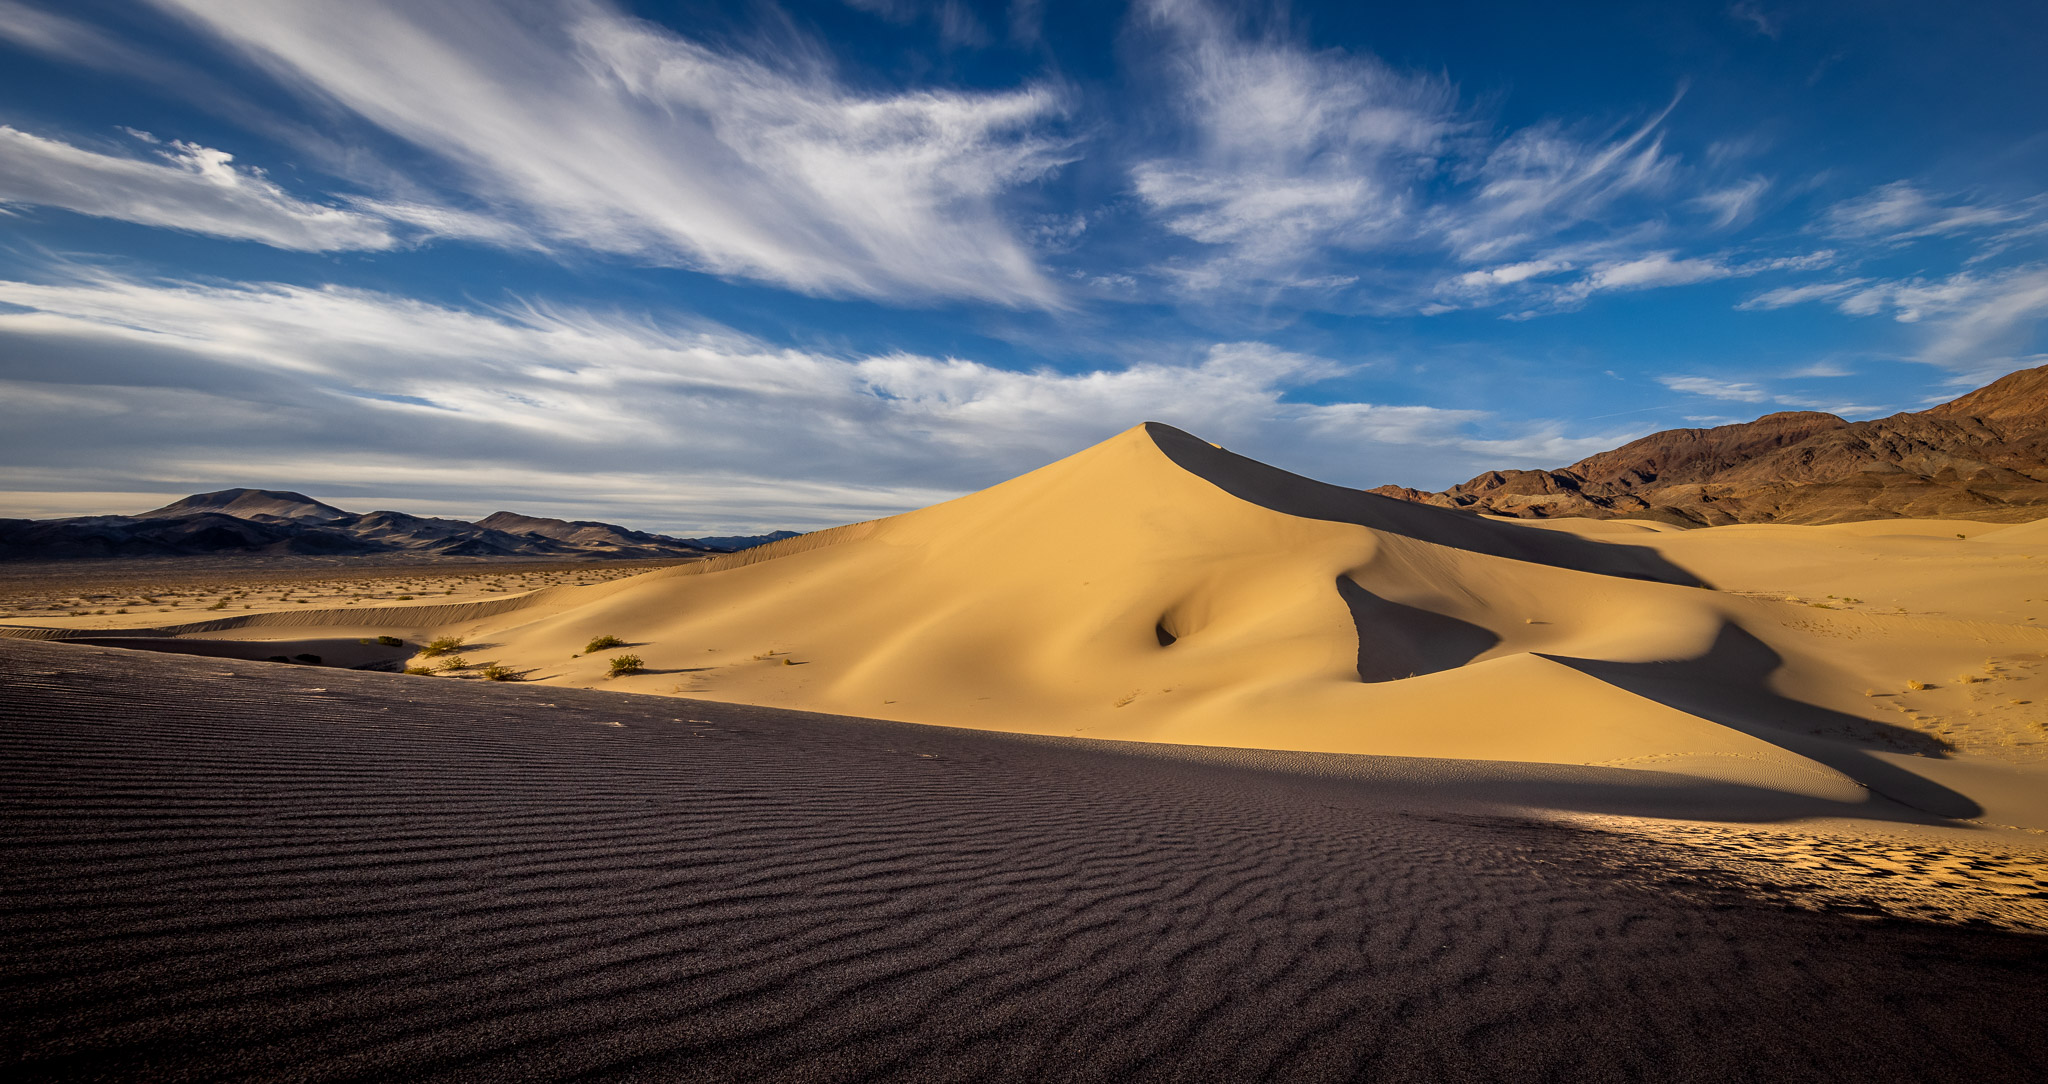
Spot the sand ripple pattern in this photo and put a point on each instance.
(254, 871)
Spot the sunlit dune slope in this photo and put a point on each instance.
(1155, 587)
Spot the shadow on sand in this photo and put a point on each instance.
(1397, 641)
(1291, 494)
(1730, 685)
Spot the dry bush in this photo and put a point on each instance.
(601, 642)
(625, 664)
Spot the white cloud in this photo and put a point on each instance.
(1288, 151)
(1657, 269)
(618, 135)
(1974, 323)
(1794, 295)
(181, 186)
(1822, 369)
(1715, 388)
(142, 384)
(1289, 156)
(1545, 179)
(1509, 274)
(1902, 212)
(1734, 205)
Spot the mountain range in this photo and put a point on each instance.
(274, 522)
(1983, 456)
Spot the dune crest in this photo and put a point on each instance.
(1158, 588)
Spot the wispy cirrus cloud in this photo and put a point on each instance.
(1539, 284)
(1734, 205)
(1540, 181)
(1901, 211)
(603, 131)
(1286, 151)
(1715, 388)
(180, 186)
(1979, 324)
(1744, 391)
(104, 375)
(1288, 160)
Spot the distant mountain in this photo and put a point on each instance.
(1983, 456)
(260, 521)
(256, 504)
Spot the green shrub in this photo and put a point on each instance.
(420, 670)
(493, 672)
(446, 645)
(455, 662)
(625, 664)
(602, 642)
(390, 641)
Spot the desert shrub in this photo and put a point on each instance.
(625, 664)
(455, 662)
(1917, 686)
(222, 605)
(493, 672)
(602, 642)
(420, 670)
(405, 598)
(390, 641)
(446, 645)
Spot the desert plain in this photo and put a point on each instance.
(1155, 763)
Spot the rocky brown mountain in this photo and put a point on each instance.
(1983, 456)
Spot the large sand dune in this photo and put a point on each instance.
(1158, 588)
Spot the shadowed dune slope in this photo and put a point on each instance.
(229, 870)
(1158, 588)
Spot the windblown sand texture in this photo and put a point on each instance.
(1158, 588)
(252, 871)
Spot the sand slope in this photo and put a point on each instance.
(231, 870)
(1158, 588)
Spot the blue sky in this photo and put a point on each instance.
(717, 267)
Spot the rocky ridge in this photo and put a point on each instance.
(1983, 456)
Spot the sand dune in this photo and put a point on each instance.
(232, 870)
(1158, 588)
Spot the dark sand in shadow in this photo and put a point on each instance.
(234, 870)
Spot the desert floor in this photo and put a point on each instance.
(104, 594)
(252, 870)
